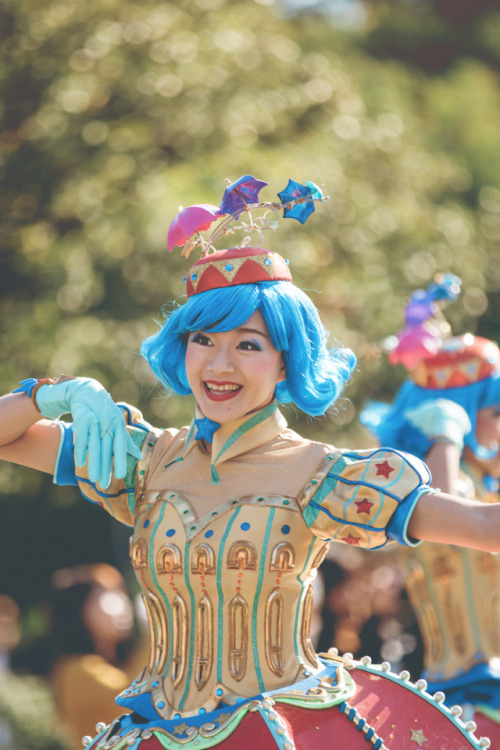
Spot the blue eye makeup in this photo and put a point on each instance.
(250, 345)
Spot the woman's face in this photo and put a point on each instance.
(108, 614)
(233, 373)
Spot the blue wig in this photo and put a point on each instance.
(315, 375)
(389, 424)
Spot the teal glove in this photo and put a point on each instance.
(441, 419)
(100, 432)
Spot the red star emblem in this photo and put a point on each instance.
(352, 539)
(384, 469)
(364, 506)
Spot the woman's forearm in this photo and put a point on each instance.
(25, 437)
(17, 415)
(449, 519)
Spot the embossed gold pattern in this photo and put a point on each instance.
(306, 625)
(242, 555)
(204, 642)
(282, 558)
(238, 636)
(203, 560)
(169, 559)
(139, 554)
(179, 640)
(159, 643)
(274, 633)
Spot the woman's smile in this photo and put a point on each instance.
(233, 373)
(221, 391)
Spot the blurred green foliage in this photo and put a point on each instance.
(27, 715)
(114, 114)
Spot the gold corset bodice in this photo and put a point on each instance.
(227, 559)
(228, 598)
(455, 593)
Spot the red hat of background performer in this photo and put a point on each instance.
(241, 265)
(462, 360)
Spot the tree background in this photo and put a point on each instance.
(115, 113)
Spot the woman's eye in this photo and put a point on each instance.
(200, 338)
(248, 345)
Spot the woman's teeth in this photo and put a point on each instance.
(222, 388)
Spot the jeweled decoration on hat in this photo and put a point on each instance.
(433, 357)
(248, 262)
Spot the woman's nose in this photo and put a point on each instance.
(221, 360)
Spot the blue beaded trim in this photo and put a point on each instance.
(362, 726)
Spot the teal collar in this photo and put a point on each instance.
(239, 436)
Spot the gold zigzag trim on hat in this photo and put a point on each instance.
(235, 263)
(470, 371)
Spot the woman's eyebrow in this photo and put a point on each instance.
(253, 330)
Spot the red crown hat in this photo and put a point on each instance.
(462, 360)
(240, 265)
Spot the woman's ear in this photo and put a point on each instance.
(282, 369)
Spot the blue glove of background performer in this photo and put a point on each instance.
(101, 436)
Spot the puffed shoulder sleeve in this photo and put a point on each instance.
(119, 498)
(365, 498)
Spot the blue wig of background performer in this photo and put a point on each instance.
(315, 374)
(463, 371)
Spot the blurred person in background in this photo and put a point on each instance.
(28, 718)
(448, 414)
(92, 623)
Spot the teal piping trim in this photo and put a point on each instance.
(181, 458)
(139, 437)
(299, 579)
(192, 629)
(111, 510)
(262, 565)
(215, 476)
(189, 436)
(220, 612)
(311, 512)
(258, 418)
(159, 588)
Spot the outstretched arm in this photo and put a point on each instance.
(450, 519)
(100, 434)
(25, 437)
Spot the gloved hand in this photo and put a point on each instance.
(98, 425)
(441, 419)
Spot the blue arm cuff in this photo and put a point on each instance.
(64, 473)
(26, 386)
(397, 527)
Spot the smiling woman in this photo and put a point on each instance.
(232, 515)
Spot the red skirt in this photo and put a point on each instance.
(384, 711)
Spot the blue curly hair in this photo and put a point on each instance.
(316, 374)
